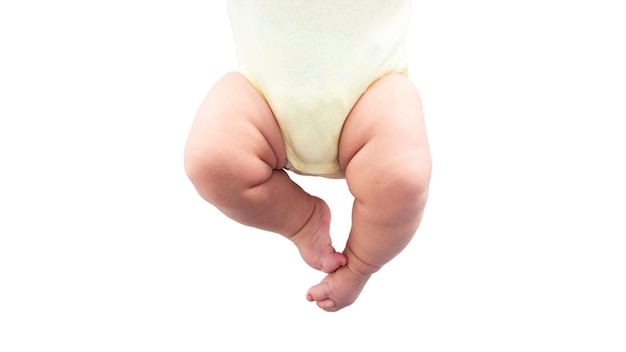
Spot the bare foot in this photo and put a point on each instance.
(339, 289)
(314, 242)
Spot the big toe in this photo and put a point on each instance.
(332, 262)
(320, 295)
(318, 292)
(328, 305)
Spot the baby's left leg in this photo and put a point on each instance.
(385, 154)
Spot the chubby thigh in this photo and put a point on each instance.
(385, 137)
(235, 132)
(387, 122)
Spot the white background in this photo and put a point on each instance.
(105, 246)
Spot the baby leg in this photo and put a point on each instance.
(234, 157)
(385, 154)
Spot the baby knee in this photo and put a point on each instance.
(412, 189)
(407, 180)
(222, 175)
(214, 171)
(201, 169)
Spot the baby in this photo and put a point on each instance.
(322, 90)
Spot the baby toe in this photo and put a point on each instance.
(318, 293)
(328, 305)
(332, 262)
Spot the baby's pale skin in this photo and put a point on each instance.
(235, 157)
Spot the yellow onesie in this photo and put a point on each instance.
(312, 59)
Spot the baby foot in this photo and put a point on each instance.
(314, 242)
(338, 290)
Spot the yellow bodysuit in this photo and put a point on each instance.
(312, 59)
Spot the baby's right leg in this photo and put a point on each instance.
(235, 155)
(385, 154)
